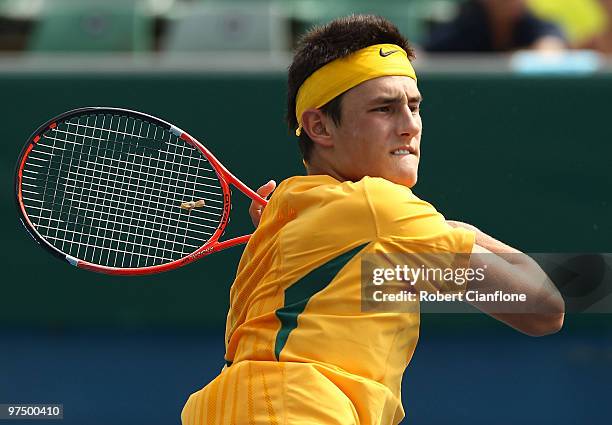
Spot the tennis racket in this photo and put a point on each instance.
(121, 192)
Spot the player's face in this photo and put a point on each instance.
(380, 131)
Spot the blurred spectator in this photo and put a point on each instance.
(602, 42)
(13, 33)
(493, 26)
(580, 20)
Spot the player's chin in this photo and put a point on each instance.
(406, 178)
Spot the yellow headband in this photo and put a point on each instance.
(342, 74)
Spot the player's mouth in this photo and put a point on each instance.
(402, 151)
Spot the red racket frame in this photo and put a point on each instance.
(225, 178)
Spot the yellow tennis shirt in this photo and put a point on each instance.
(299, 348)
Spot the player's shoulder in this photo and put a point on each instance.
(379, 187)
(372, 192)
(319, 188)
(398, 211)
(383, 194)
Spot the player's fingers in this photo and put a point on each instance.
(256, 209)
(265, 190)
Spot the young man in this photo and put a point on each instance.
(299, 347)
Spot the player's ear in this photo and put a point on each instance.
(317, 125)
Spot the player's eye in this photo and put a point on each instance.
(382, 109)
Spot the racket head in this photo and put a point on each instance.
(117, 191)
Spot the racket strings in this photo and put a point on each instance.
(108, 189)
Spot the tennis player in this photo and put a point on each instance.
(299, 348)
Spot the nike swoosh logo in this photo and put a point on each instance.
(385, 54)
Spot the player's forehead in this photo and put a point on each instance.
(388, 87)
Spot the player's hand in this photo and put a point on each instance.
(255, 210)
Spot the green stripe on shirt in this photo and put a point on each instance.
(298, 294)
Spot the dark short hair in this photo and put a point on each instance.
(323, 44)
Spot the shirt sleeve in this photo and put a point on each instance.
(414, 230)
(401, 215)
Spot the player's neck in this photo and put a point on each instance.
(316, 166)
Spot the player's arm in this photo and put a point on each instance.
(511, 271)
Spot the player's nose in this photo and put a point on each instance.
(409, 124)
